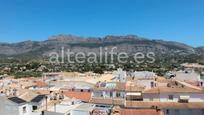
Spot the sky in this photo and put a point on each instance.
(171, 20)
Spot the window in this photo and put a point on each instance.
(171, 97)
(35, 107)
(24, 110)
(167, 111)
(111, 94)
(117, 94)
(116, 112)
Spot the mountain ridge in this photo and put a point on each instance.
(68, 36)
(129, 43)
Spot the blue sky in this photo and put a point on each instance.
(172, 20)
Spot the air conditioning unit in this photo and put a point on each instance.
(184, 99)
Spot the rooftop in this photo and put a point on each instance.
(41, 84)
(173, 90)
(38, 98)
(85, 107)
(27, 95)
(192, 65)
(17, 100)
(63, 108)
(83, 96)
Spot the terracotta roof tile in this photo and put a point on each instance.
(84, 96)
(43, 92)
(41, 84)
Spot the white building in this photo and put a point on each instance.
(144, 75)
(166, 94)
(14, 106)
(187, 76)
(38, 102)
(63, 108)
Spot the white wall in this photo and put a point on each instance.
(28, 109)
(150, 97)
(2, 106)
(78, 112)
(52, 113)
(193, 97)
(146, 83)
(11, 108)
(165, 97)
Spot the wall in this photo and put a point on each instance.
(52, 113)
(165, 97)
(151, 97)
(28, 110)
(15, 109)
(183, 112)
(78, 112)
(2, 105)
(107, 94)
(146, 83)
(193, 97)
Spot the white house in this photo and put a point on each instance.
(14, 106)
(38, 102)
(166, 94)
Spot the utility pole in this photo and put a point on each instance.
(46, 102)
(55, 107)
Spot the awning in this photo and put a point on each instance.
(133, 94)
(185, 97)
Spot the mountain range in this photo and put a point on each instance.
(129, 44)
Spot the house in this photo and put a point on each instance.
(116, 93)
(201, 80)
(51, 76)
(186, 75)
(109, 90)
(71, 108)
(169, 108)
(38, 102)
(177, 93)
(65, 107)
(102, 109)
(14, 106)
(143, 75)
